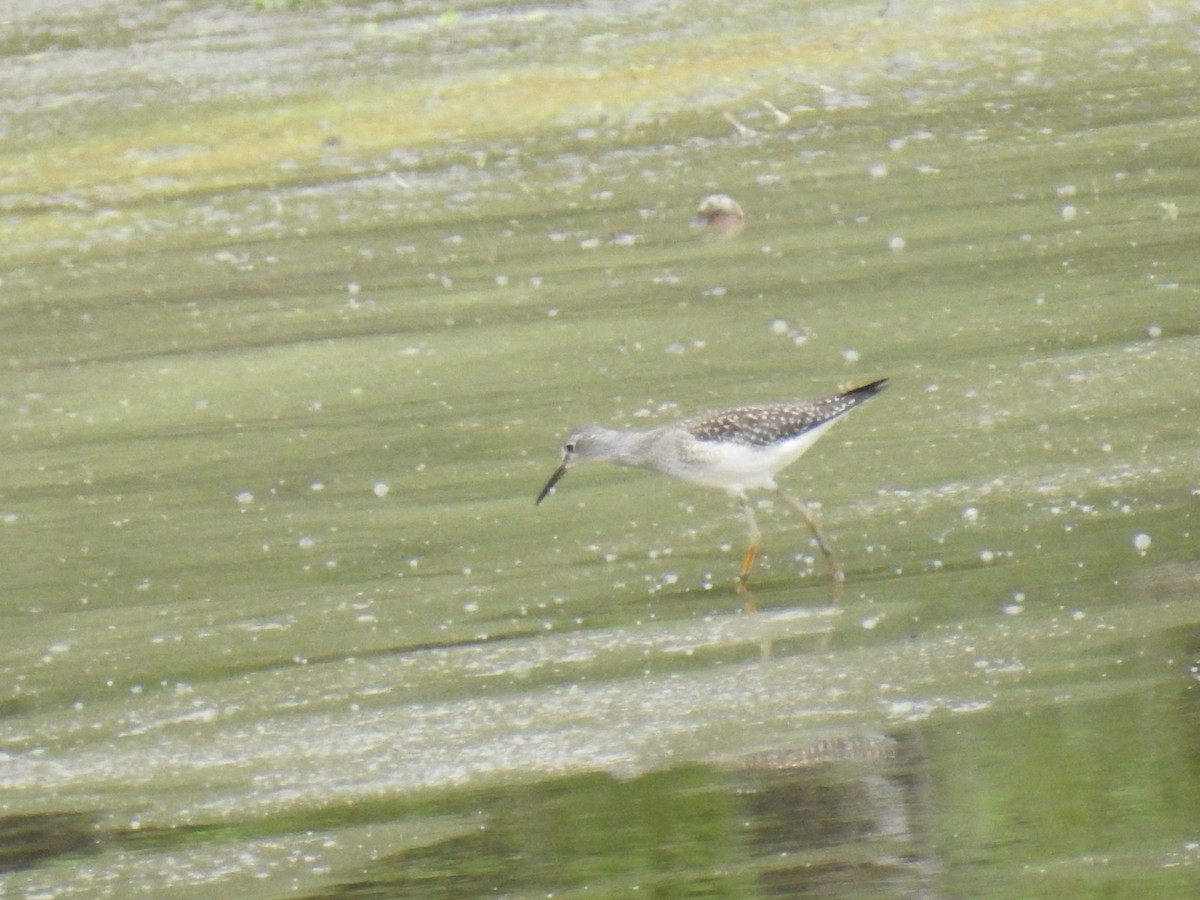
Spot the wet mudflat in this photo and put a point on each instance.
(298, 302)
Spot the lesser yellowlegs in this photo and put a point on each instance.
(739, 449)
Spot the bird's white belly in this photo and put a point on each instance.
(741, 467)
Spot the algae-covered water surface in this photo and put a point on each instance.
(299, 300)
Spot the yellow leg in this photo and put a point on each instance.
(755, 544)
(747, 565)
(815, 527)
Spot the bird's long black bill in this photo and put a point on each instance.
(558, 473)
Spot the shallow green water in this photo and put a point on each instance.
(288, 356)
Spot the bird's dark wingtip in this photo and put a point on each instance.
(868, 390)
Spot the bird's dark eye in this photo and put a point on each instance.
(569, 446)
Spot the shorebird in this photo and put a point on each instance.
(739, 450)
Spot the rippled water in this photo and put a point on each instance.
(298, 301)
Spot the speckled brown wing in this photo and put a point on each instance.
(773, 423)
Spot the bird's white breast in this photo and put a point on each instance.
(737, 467)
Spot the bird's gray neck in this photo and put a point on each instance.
(635, 449)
